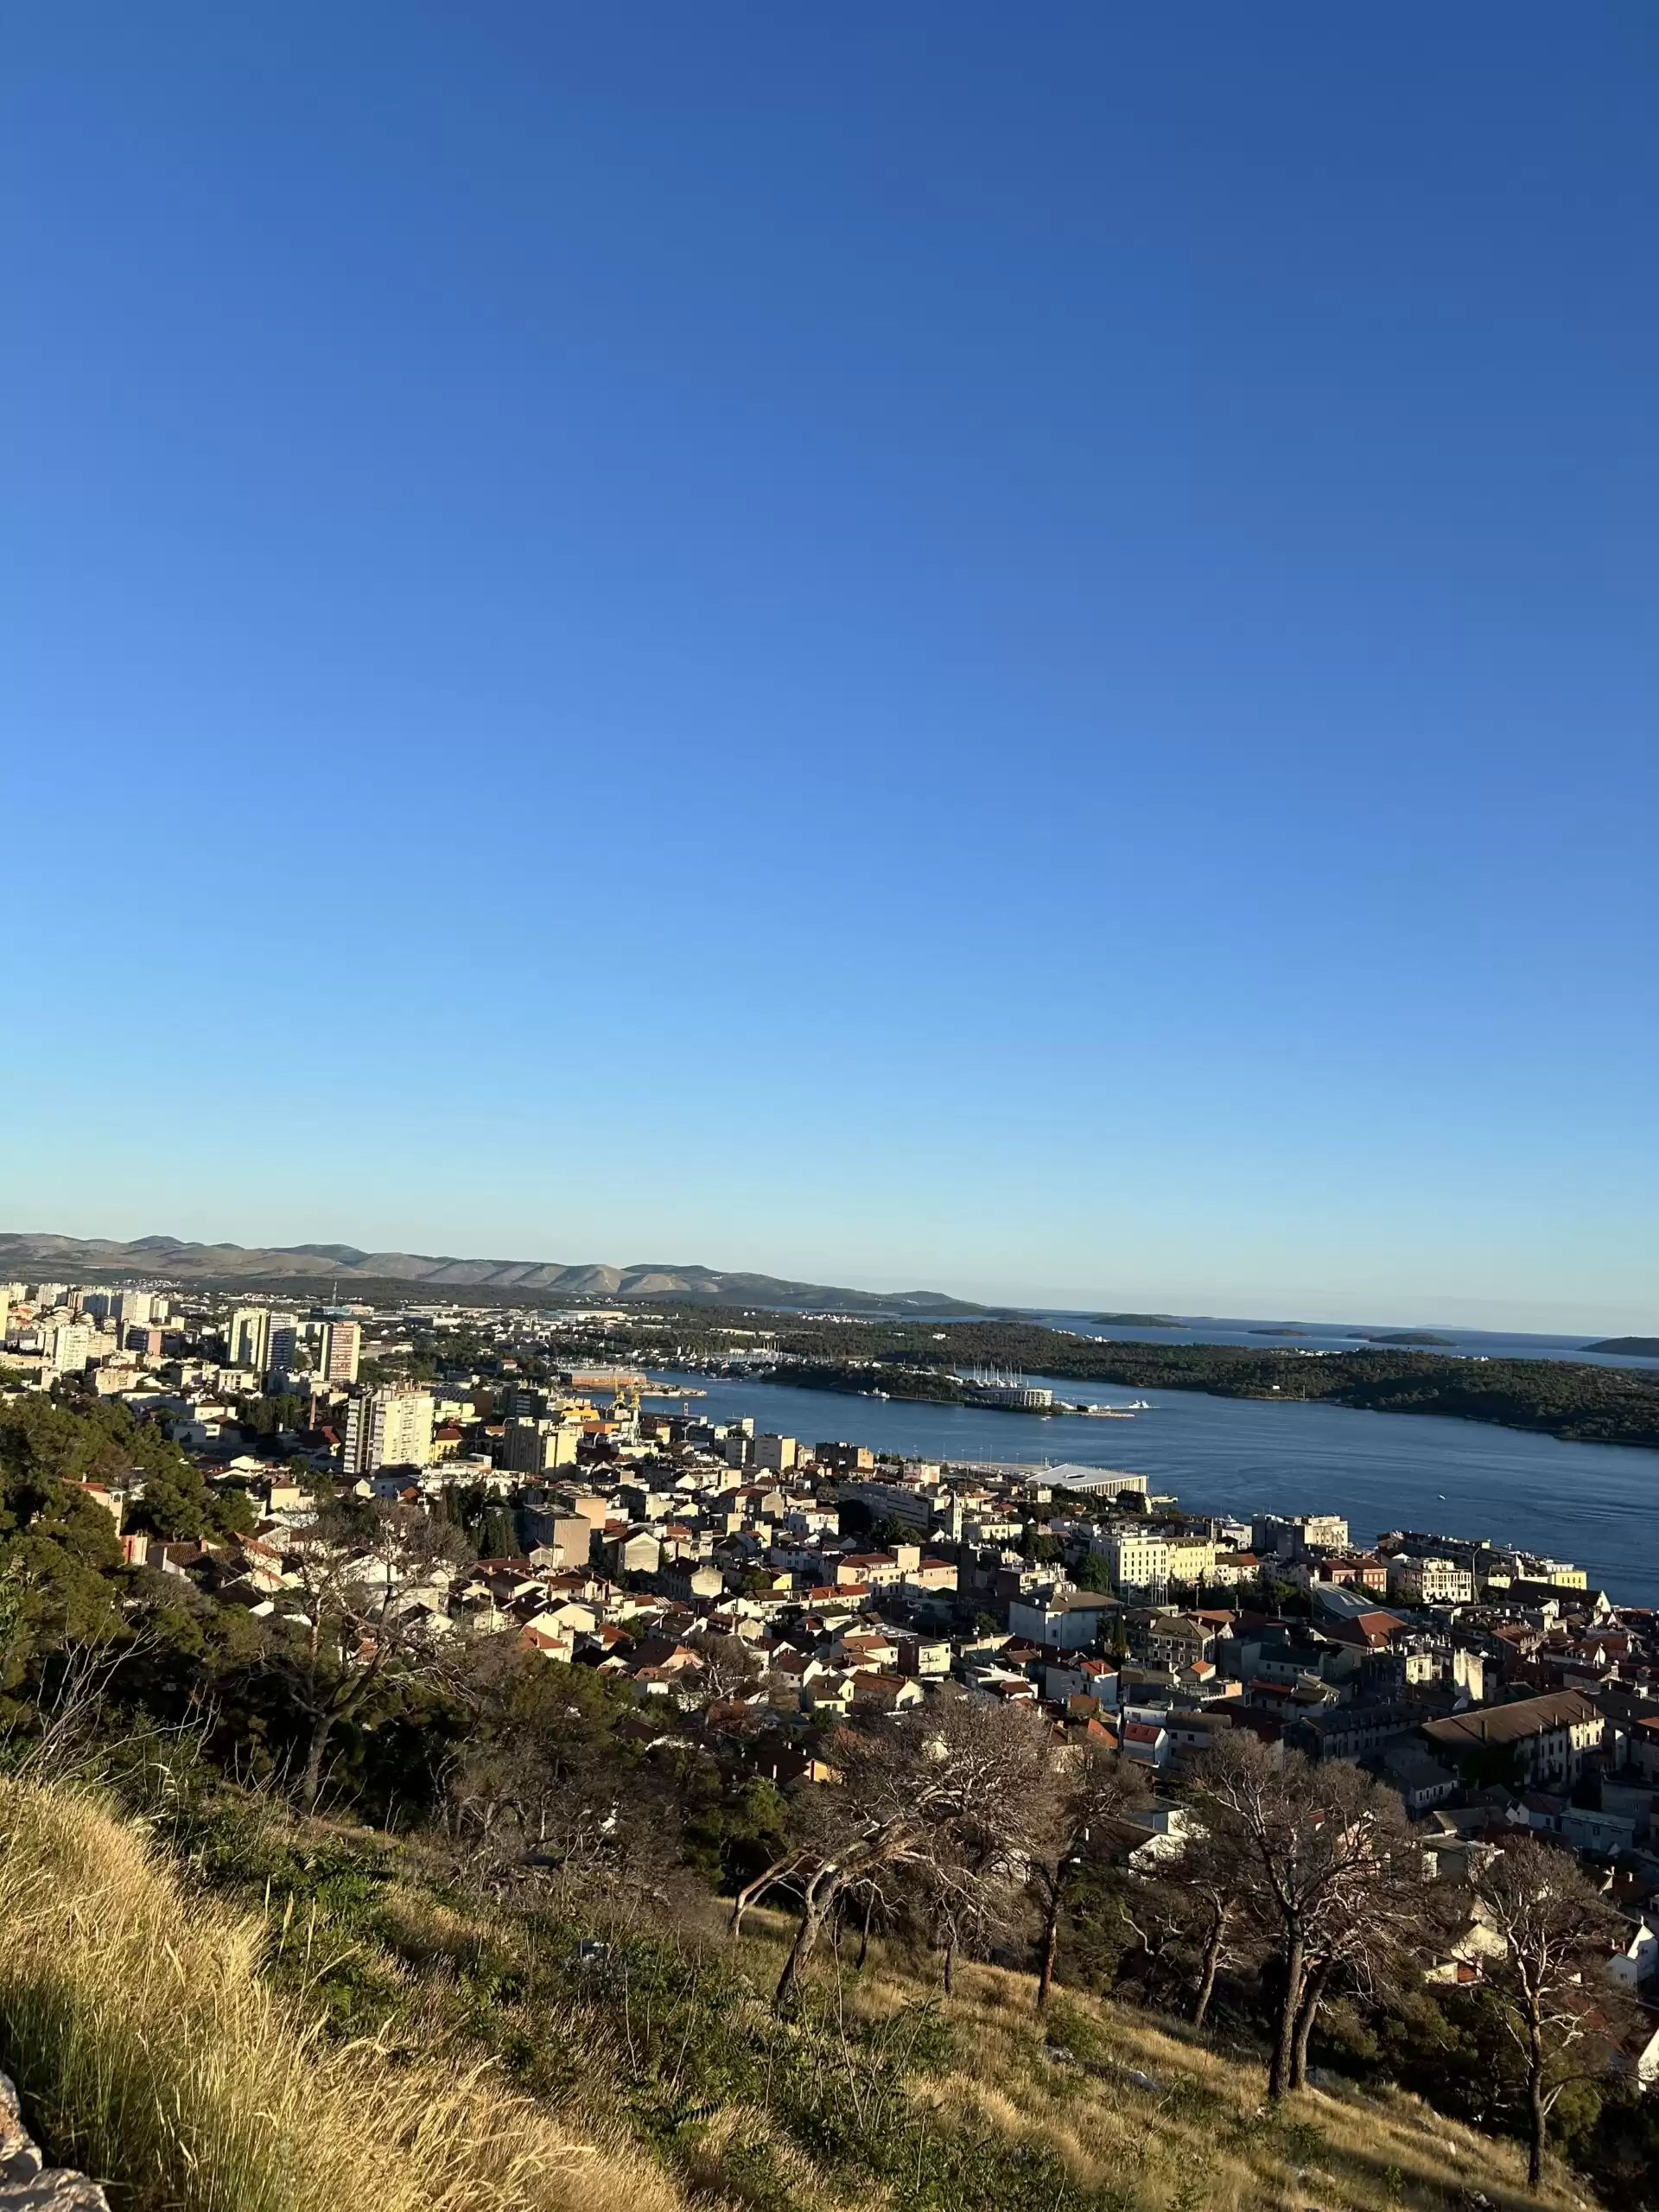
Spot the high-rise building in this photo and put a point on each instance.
(360, 1431)
(282, 1345)
(247, 1336)
(136, 1309)
(388, 1428)
(342, 1346)
(68, 1347)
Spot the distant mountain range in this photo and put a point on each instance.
(318, 1266)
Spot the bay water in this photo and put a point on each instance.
(1594, 1505)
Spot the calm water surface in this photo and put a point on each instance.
(1597, 1504)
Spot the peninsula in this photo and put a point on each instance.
(1564, 1398)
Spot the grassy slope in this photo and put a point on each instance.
(364, 2039)
(151, 2051)
(1200, 2135)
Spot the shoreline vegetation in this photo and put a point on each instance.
(1581, 1404)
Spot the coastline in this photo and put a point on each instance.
(1442, 1402)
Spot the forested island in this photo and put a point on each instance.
(1632, 1347)
(1601, 1405)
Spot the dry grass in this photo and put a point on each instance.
(151, 2053)
(1202, 2139)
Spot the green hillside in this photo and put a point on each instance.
(239, 2012)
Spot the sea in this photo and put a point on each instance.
(1596, 1505)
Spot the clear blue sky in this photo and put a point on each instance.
(1001, 647)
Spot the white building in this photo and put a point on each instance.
(246, 1335)
(282, 1345)
(1638, 1962)
(1065, 1620)
(390, 1427)
(69, 1346)
(1419, 1579)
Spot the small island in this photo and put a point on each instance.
(1405, 1337)
(1135, 1320)
(1632, 1347)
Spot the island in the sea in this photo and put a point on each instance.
(1424, 1337)
(1632, 1347)
(1135, 1320)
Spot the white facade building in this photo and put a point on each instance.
(390, 1427)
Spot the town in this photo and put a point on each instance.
(1491, 1690)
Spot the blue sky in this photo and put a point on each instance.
(994, 647)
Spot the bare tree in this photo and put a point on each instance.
(954, 1787)
(963, 1894)
(1092, 1792)
(1191, 1919)
(541, 1783)
(363, 1584)
(1219, 1912)
(731, 1668)
(1553, 1930)
(1318, 1853)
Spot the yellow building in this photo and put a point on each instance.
(1191, 1559)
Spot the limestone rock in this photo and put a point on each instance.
(25, 2184)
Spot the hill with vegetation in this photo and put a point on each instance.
(228, 2008)
(1564, 1398)
(316, 1267)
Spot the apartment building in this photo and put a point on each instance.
(1417, 1579)
(247, 1334)
(342, 1348)
(389, 1427)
